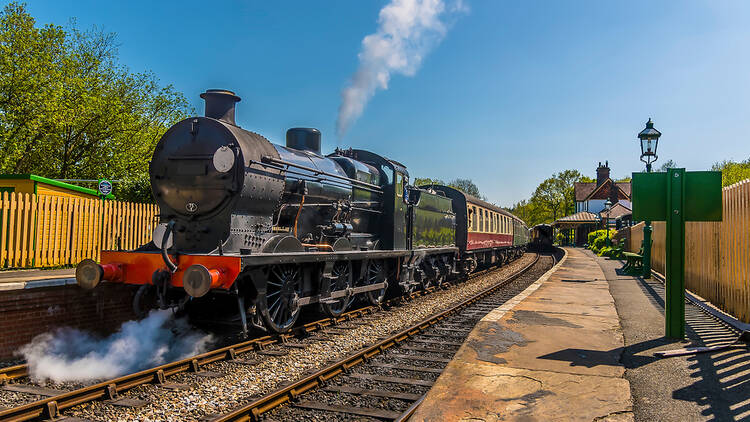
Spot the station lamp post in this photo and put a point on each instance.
(649, 138)
(608, 207)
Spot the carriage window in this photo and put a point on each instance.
(486, 222)
(473, 219)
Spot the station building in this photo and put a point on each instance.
(591, 213)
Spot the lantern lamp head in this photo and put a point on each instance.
(649, 138)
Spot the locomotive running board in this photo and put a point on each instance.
(340, 293)
(300, 257)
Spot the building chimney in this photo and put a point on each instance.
(220, 104)
(602, 173)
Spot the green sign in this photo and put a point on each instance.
(702, 195)
(676, 196)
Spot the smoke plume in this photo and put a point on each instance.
(69, 354)
(407, 31)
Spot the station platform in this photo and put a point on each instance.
(29, 279)
(579, 345)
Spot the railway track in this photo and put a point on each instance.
(112, 390)
(389, 379)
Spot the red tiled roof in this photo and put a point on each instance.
(618, 210)
(583, 190)
(625, 186)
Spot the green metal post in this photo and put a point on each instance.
(647, 230)
(675, 260)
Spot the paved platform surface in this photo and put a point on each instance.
(704, 387)
(553, 356)
(26, 279)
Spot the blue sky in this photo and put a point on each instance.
(515, 91)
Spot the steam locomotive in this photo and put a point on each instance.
(261, 230)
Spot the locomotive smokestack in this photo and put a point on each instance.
(303, 138)
(220, 104)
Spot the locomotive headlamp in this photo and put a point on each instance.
(649, 140)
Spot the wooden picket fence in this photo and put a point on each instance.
(717, 254)
(39, 231)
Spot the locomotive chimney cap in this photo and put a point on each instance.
(223, 92)
(220, 104)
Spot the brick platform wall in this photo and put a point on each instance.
(27, 313)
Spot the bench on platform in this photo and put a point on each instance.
(634, 261)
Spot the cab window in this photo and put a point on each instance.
(399, 185)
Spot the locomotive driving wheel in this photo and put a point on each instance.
(279, 307)
(341, 280)
(376, 273)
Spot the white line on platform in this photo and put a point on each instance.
(498, 313)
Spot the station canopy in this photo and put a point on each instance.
(576, 220)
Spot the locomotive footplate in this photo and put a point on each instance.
(222, 270)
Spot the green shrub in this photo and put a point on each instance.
(598, 239)
(559, 239)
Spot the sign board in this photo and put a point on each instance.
(702, 196)
(105, 187)
(676, 196)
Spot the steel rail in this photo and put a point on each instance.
(9, 373)
(252, 411)
(50, 407)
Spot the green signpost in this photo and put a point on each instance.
(676, 196)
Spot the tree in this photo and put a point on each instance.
(732, 172)
(669, 164)
(530, 212)
(552, 199)
(465, 186)
(551, 194)
(424, 181)
(68, 109)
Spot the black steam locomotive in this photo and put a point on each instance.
(274, 228)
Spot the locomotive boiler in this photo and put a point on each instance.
(272, 228)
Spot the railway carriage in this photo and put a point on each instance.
(486, 234)
(256, 231)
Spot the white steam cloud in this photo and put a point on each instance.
(69, 354)
(407, 31)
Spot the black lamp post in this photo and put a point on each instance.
(608, 207)
(649, 138)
